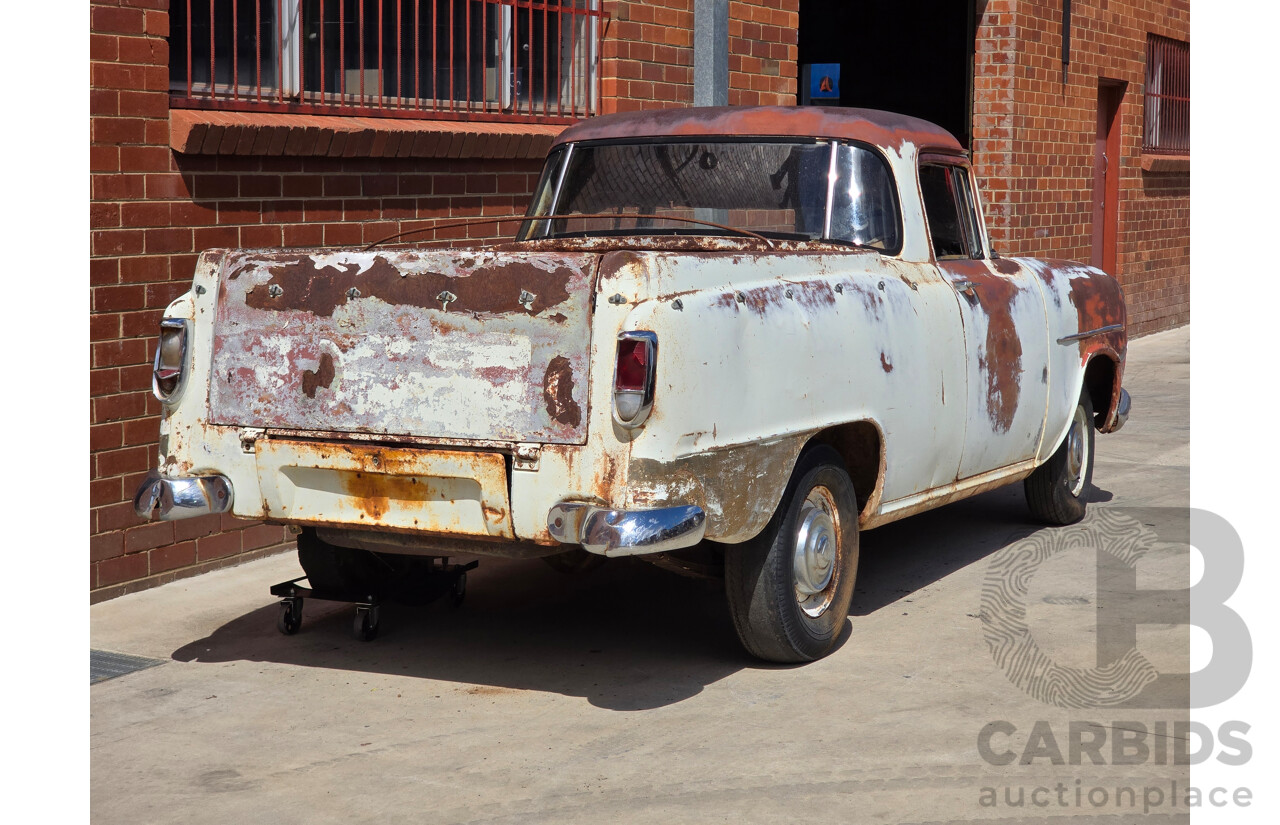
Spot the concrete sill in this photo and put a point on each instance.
(204, 132)
(1166, 163)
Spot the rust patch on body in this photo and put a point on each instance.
(390, 488)
(612, 264)
(1099, 302)
(760, 300)
(708, 244)
(557, 391)
(1001, 361)
(1005, 266)
(321, 377)
(489, 290)
(871, 297)
(885, 364)
(1000, 355)
(372, 494)
(499, 375)
(382, 318)
(738, 487)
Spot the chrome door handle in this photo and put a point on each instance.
(966, 286)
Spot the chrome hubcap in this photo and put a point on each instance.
(1077, 452)
(817, 545)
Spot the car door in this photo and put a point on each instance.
(1005, 327)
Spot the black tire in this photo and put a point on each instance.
(1056, 490)
(761, 581)
(572, 562)
(339, 570)
(290, 618)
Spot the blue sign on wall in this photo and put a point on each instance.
(824, 81)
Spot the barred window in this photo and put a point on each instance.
(474, 59)
(1167, 106)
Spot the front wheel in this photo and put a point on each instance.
(1056, 490)
(790, 587)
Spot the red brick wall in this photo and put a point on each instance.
(1034, 137)
(762, 52)
(647, 56)
(151, 212)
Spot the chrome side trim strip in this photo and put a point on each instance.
(1080, 336)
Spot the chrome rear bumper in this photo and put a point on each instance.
(167, 499)
(626, 532)
(1121, 414)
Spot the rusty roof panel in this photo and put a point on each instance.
(869, 125)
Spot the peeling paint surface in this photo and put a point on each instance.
(1006, 339)
(429, 491)
(425, 343)
(774, 348)
(737, 488)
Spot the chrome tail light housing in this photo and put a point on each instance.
(169, 375)
(634, 374)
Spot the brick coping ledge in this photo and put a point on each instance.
(1166, 163)
(204, 132)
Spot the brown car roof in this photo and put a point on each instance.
(869, 125)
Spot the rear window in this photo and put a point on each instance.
(779, 189)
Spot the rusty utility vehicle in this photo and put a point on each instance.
(725, 340)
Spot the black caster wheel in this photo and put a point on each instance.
(365, 627)
(290, 618)
(458, 592)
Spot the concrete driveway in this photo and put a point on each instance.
(621, 695)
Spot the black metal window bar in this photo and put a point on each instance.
(445, 59)
(1167, 106)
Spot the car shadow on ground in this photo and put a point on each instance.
(627, 636)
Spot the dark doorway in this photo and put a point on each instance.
(908, 56)
(1106, 176)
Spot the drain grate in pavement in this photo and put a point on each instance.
(104, 665)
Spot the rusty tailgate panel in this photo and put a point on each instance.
(471, 345)
(432, 491)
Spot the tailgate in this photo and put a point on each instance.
(440, 343)
(459, 493)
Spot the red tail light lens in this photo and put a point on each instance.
(633, 378)
(633, 365)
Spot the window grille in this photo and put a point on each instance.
(451, 59)
(1167, 106)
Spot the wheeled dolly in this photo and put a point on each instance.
(442, 580)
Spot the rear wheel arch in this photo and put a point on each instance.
(1099, 382)
(861, 445)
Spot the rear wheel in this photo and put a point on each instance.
(790, 587)
(1056, 490)
(338, 570)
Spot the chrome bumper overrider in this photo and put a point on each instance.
(626, 532)
(166, 499)
(1122, 410)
